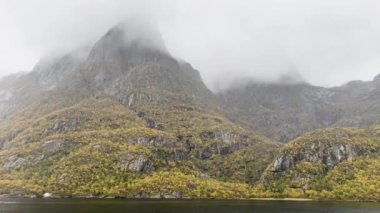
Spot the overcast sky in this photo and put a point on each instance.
(328, 42)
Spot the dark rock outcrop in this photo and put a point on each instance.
(135, 163)
(327, 148)
(14, 162)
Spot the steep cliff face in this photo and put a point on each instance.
(325, 147)
(137, 69)
(309, 162)
(318, 154)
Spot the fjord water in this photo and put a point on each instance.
(182, 206)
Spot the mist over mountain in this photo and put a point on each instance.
(328, 42)
(285, 111)
(130, 57)
(126, 118)
(131, 63)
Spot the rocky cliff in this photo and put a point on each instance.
(317, 163)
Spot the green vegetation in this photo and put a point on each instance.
(319, 173)
(132, 121)
(100, 148)
(177, 184)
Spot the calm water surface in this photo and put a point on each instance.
(191, 206)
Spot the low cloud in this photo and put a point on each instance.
(326, 42)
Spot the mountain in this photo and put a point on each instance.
(126, 119)
(133, 69)
(283, 111)
(140, 70)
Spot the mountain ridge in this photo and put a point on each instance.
(288, 111)
(129, 120)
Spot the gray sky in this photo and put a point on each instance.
(328, 42)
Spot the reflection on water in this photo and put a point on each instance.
(181, 206)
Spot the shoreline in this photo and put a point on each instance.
(7, 196)
(285, 199)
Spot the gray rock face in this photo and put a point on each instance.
(225, 143)
(136, 99)
(154, 141)
(206, 154)
(224, 137)
(283, 163)
(52, 145)
(135, 163)
(317, 153)
(139, 71)
(180, 154)
(139, 164)
(14, 162)
(66, 126)
(47, 149)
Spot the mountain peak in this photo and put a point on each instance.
(292, 76)
(129, 33)
(127, 44)
(130, 63)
